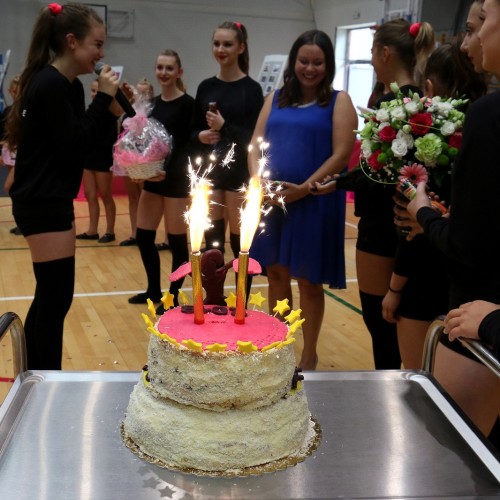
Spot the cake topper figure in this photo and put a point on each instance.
(213, 275)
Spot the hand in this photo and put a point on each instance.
(327, 185)
(390, 303)
(107, 81)
(292, 192)
(214, 120)
(405, 220)
(465, 321)
(209, 137)
(421, 200)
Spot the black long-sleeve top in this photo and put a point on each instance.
(239, 103)
(470, 238)
(56, 133)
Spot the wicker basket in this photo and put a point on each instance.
(144, 170)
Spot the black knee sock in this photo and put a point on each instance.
(215, 237)
(151, 261)
(180, 254)
(55, 282)
(234, 240)
(384, 335)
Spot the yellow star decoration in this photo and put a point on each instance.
(194, 346)
(151, 308)
(281, 306)
(168, 300)
(146, 319)
(144, 379)
(163, 336)
(294, 327)
(246, 347)
(216, 347)
(290, 340)
(270, 346)
(293, 316)
(183, 300)
(231, 300)
(256, 299)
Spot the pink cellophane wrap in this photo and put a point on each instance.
(144, 142)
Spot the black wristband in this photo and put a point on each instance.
(395, 291)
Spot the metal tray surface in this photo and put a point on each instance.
(385, 435)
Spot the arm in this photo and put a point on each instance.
(392, 298)
(344, 122)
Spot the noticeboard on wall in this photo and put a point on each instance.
(271, 72)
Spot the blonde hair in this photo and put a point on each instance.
(174, 54)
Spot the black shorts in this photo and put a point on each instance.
(43, 217)
(171, 187)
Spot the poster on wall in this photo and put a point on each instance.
(271, 72)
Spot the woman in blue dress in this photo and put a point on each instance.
(309, 127)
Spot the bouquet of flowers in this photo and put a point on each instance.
(411, 138)
(141, 148)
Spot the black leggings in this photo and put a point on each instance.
(384, 334)
(44, 325)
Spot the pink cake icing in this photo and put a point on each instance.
(259, 328)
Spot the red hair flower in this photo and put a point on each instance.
(420, 123)
(387, 134)
(55, 8)
(238, 25)
(414, 29)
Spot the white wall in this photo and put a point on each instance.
(185, 26)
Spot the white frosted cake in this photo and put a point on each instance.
(220, 398)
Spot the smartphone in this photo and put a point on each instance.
(212, 107)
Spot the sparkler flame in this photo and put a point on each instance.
(250, 214)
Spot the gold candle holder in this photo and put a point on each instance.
(241, 288)
(199, 316)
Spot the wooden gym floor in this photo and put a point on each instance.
(104, 332)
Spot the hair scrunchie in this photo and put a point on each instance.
(238, 25)
(414, 29)
(55, 8)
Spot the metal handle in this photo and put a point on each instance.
(10, 321)
(476, 347)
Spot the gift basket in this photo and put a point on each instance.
(142, 147)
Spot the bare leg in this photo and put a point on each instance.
(90, 190)
(104, 186)
(411, 338)
(475, 388)
(279, 286)
(312, 303)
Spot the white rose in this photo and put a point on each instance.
(406, 136)
(366, 147)
(382, 125)
(407, 129)
(399, 147)
(398, 113)
(447, 128)
(444, 108)
(382, 115)
(411, 107)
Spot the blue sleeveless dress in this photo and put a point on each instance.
(308, 236)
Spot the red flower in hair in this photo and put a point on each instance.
(414, 29)
(55, 8)
(420, 123)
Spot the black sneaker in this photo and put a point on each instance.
(85, 236)
(107, 238)
(162, 246)
(128, 242)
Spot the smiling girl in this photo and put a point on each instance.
(52, 130)
(238, 100)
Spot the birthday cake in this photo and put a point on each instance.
(221, 398)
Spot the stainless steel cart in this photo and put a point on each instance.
(391, 434)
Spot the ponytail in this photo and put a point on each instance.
(172, 53)
(48, 41)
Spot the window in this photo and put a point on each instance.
(353, 61)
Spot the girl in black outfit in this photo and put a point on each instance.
(52, 132)
(470, 237)
(174, 109)
(238, 101)
(399, 48)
